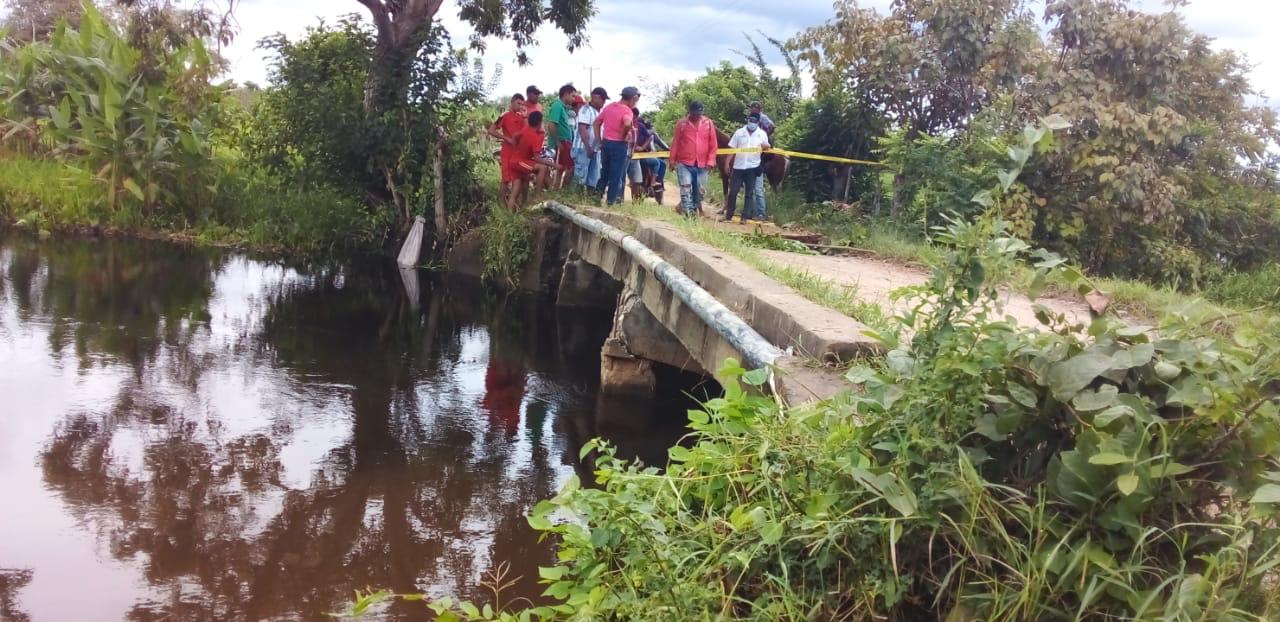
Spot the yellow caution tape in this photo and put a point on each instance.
(642, 155)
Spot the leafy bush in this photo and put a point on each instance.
(312, 125)
(264, 211)
(506, 237)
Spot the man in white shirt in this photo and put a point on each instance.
(586, 153)
(746, 169)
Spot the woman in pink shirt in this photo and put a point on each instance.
(693, 154)
(613, 133)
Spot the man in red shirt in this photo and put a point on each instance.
(527, 162)
(693, 154)
(533, 99)
(506, 129)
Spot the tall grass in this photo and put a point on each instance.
(46, 194)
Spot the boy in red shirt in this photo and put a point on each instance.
(508, 126)
(527, 161)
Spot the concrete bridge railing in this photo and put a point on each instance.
(684, 304)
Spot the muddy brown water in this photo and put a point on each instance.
(200, 435)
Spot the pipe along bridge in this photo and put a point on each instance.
(681, 303)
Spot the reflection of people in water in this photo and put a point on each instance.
(504, 383)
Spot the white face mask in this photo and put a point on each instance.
(751, 127)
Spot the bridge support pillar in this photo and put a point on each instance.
(622, 371)
(637, 341)
(585, 286)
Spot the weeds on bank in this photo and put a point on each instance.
(45, 194)
(507, 237)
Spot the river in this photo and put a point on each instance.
(192, 434)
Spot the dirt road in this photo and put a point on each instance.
(876, 278)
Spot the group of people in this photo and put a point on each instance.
(598, 146)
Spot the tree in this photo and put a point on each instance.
(726, 90)
(34, 20)
(928, 65)
(403, 25)
(1164, 168)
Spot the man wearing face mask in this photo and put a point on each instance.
(746, 170)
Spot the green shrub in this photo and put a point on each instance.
(984, 472)
(264, 211)
(506, 237)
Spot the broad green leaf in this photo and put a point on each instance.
(1127, 483)
(1089, 401)
(1109, 458)
(1167, 371)
(1023, 395)
(1070, 376)
(1267, 493)
(771, 533)
(1110, 415)
(1170, 469)
(756, 377)
(133, 188)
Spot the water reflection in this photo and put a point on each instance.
(206, 436)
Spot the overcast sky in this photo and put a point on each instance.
(648, 43)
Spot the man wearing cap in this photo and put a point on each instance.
(613, 132)
(533, 99)
(586, 149)
(693, 154)
(746, 168)
(766, 123)
(560, 133)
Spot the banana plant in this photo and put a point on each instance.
(140, 135)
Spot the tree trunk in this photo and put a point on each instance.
(437, 170)
(895, 205)
(399, 24)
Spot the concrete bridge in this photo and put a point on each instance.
(681, 303)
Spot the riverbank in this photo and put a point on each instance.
(248, 212)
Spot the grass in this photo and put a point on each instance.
(247, 210)
(45, 194)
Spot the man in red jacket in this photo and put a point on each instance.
(693, 154)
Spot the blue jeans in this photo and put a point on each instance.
(693, 185)
(586, 169)
(758, 194)
(613, 169)
(744, 179)
(659, 168)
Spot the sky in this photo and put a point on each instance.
(651, 43)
